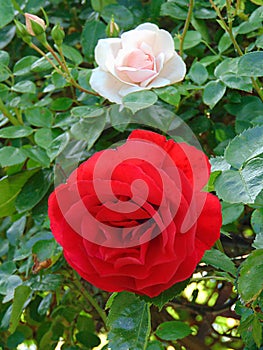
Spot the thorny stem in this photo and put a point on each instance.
(229, 30)
(186, 26)
(92, 301)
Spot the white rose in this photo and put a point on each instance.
(143, 58)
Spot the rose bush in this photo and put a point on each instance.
(143, 58)
(161, 183)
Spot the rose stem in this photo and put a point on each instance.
(186, 26)
(92, 301)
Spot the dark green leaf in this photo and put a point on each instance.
(173, 330)
(231, 212)
(61, 104)
(92, 32)
(198, 73)
(129, 322)
(58, 145)
(169, 94)
(16, 230)
(174, 9)
(37, 154)
(72, 54)
(122, 16)
(257, 220)
(44, 249)
(23, 66)
(192, 39)
(88, 339)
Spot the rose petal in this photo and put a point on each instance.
(106, 51)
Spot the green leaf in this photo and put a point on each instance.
(45, 283)
(156, 117)
(8, 286)
(44, 305)
(252, 267)
(173, 330)
(224, 43)
(6, 12)
(72, 54)
(251, 64)
(33, 190)
(129, 322)
(121, 14)
(58, 145)
(213, 93)
(241, 186)
(191, 39)
(14, 132)
(25, 87)
(4, 58)
(6, 35)
(10, 155)
(61, 104)
(90, 128)
(120, 118)
(88, 339)
(92, 32)
(39, 116)
(16, 230)
(258, 241)
(98, 5)
(198, 73)
(167, 295)
(23, 66)
(44, 249)
(169, 94)
(257, 221)
(257, 331)
(42, 65)
(155, 345)
(231, 212)
(139, 100)
(43, 137)
(175, 10)
(245, 146)
(10, 186)
(220, 261)
(37, 154)
(22, 294)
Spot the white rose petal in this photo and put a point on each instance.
(141, 59)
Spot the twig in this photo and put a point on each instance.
(186, 26)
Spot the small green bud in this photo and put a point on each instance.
(112, 29)
(22, 32)
(58, 34)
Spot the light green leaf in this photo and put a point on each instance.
(129, 322)
(169, 94)
(231, 212)
(61, 104)
(72, 54)
(58, 145)
(213, 93)
(10, 186)
(173, 330)
(120, 118)
(241, 186)
(6, 12)
(192, 39)
(33, 190)
(139, 100)
(23, 66)
(251, 268)
(13, 132)
(21, 297)
(198, 73)
(10, 155)
(251, 64)
(220, 261)
(245, 146)
(25, 87)
(39, 116)
(257, 221)
(258, 241)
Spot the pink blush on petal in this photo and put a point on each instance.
(140, 60)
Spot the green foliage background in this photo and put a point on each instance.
(44, 302)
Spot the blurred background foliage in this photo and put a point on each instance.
(44, 304)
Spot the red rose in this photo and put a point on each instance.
(135, 218)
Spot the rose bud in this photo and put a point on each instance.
(136, 218)
(112, 29)
(34, 24)
(58, 34)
